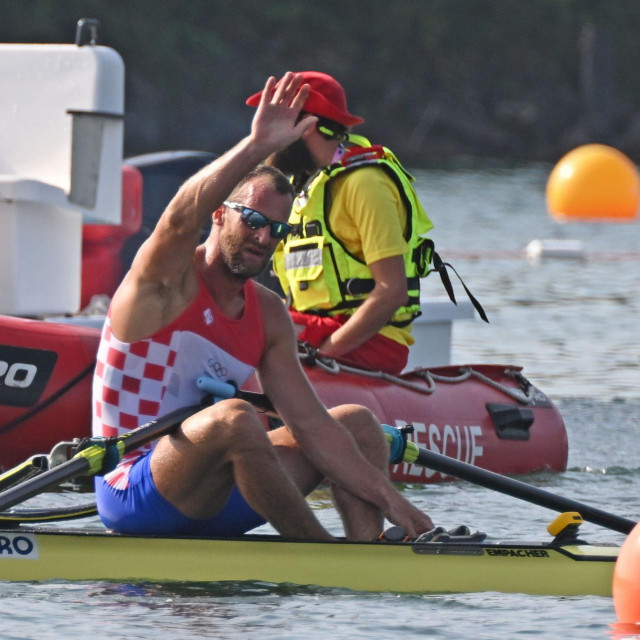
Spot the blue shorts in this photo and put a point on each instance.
(141, 509)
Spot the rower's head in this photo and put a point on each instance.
(328, 101)
(252, 221)
(269, 177)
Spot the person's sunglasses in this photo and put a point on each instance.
(256, 220)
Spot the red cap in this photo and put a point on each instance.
(326, 98)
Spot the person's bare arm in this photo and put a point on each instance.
(327, 444)
(162, 278)
(388, 295)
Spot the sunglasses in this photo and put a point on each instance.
(256, 220)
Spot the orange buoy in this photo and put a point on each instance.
(594, 183)
(626, 579)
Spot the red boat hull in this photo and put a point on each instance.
(45, 391)
(45, 398)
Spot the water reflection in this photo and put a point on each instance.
(572, 324)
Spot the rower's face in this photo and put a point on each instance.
(246, 251)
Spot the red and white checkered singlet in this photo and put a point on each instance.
(137, 382)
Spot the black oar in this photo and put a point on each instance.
(401, 450)
(509, 486)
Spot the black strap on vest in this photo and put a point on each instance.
(359, 286)
(441, 268)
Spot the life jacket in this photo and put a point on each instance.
(316, 270)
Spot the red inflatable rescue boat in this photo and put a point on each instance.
(487, 415)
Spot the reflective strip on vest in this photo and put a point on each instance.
(300, 259)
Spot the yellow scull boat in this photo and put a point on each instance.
(451, 563)
(44, 554)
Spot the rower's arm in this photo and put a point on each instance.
(162, 278)
(325, 442)
(387, 296)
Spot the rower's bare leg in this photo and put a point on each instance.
(196, 467)
(361, 520)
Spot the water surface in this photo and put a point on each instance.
(571, 324)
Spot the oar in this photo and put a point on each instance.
(419, 455)
(89, 461)
(401, 450)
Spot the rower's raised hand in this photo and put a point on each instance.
(275, 124)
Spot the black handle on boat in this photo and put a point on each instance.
(221, 390)
(510, 486)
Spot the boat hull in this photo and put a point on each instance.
(45, 392)
(45, 397)
(54, 554)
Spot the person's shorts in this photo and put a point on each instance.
(141, 509)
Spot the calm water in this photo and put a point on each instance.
(572, 325)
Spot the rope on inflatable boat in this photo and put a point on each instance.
(524, 395)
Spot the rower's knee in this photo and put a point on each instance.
(356, 418)
(226, 425)
(365, 429)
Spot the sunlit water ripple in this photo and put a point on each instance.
(572, 326)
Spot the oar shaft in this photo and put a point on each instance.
(46, 480)
(139, 437)
(160, 426)
(132, 440)
(515, 488)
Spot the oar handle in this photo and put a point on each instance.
(224, 390)
(509, 486)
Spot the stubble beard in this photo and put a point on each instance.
(231, 252)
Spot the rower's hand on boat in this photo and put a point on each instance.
(406, 515)
(275, 123)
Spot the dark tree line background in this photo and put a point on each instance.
(436, 80)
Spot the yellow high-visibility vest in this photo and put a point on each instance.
(316, 271)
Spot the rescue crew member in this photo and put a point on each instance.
(186, 310)
(351, 266)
